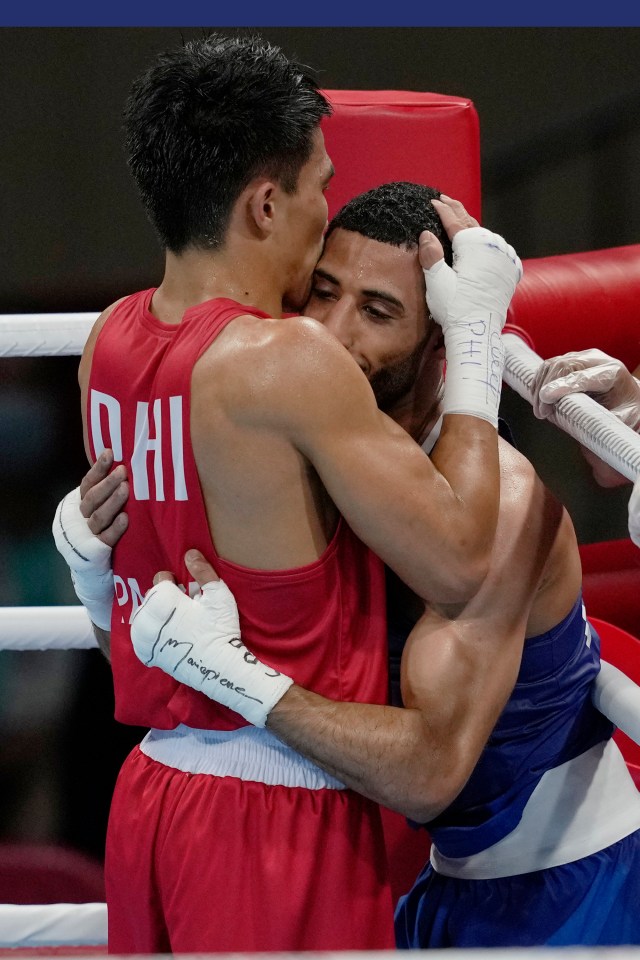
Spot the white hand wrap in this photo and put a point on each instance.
(470, 303)
(634, 514)
(88, 558)
(198, 642)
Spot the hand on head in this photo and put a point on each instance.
(470, 301)
(454, 218)
(483, 261)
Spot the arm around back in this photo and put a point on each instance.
(458, 669)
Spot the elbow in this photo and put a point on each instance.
(474, 562)
(433, 795)
(464, 579)
(428, 804)
(444, 773)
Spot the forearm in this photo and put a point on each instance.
(467, 456)
(388, 754)
(410, 510)
(414, 760)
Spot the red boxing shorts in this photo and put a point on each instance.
(199, 863)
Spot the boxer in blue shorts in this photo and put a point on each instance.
(542, 844)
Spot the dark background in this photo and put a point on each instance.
(559, 117)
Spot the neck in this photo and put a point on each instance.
(418, 410)
(194, 276)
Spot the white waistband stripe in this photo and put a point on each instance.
(250, 753)
(576, 809)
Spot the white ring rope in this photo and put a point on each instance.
(50, 925)
(46, 628)
(45, 334)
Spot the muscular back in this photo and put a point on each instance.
(263, 497)
(143, 399)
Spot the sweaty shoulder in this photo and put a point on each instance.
(526, 504)
(87, 353)
(84, 368)
(517, 475)
(257, 367)
(536, 541)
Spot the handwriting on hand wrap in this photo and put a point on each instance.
(206, 673)
(488, 358)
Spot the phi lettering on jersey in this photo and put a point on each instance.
(156, 425)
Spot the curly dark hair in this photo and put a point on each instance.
(395, 213)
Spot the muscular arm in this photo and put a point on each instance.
(417, 759)
(434, 524)
(458, 669)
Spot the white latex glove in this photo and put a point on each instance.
(588, 371)
(600, 376)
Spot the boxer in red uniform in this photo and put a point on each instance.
(244, 434)
(548, 824)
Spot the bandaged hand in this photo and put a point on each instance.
(88, 522)
(470, 303)
(197, 641)
(602, 377)
(88, 559)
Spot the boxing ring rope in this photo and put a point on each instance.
(45, 334)
(53, 925)
(69, 627)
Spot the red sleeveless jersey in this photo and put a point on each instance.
(323, 624)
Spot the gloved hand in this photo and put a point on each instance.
(600, 376)
(470, 303)
(198, 642)
(588, 371)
